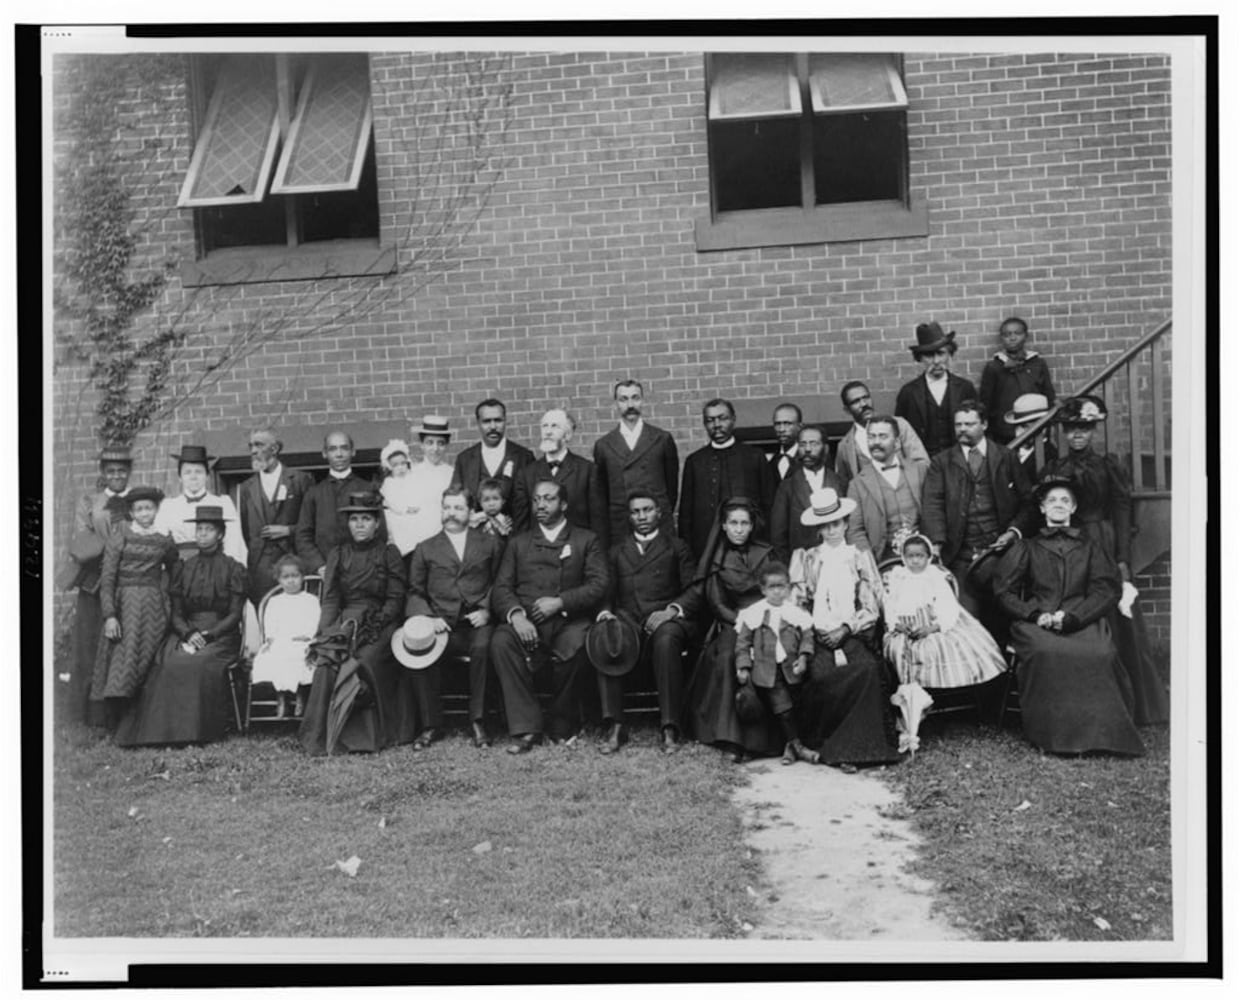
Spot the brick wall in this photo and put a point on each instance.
(1154, 584)
(1047, 179)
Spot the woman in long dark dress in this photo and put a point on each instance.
(132, 602)
(1104, 514)
(364, 581)
(185, 697)
(844, 712)
(732, 566)
(1058, 586)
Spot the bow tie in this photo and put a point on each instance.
(197, 499)
(1050, 531)
(554, 467)
(891, 465)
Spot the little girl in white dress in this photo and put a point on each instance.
(289, 622)
(930, 638)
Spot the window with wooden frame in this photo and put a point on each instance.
(807, 148)
(282, 176)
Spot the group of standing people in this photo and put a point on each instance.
(779, 617)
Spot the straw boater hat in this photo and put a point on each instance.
(115, 453)
(930, 337)
(1027, 408)
(433, 426)
(194, 453)
(137, 493)
(365, 502)
(1083, 410)
(206, 513)
(416, 644)
(394, 447)
(825, 506)
(613, 647)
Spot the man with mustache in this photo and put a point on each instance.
(929, 402)
(494, 457)
(450, 576)
(269, 504)
(887, 492)
(587, 506)
(636, 455)
(792, 496)
(852, 454)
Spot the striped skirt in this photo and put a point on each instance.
(963, 655)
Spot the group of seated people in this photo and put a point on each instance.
(788, 606)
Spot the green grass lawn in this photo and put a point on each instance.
(240, 839)
(1092, 844)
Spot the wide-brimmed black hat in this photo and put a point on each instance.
(1088, 410)
(137, 493)
(613, 647)
(930, 337)
(194, 453)
(364, 502)
(207, 513)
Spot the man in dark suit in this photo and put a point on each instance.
(929, 402)
(652, 588)
(635, 456)
(450, 577)
(975, 499)
(722, 468)
(269, 504)
(786, 422)
(887, 491)
(792, 496)
(97, 517)
(587, 506)
(494, 457)
(550, 584)
(320, 525)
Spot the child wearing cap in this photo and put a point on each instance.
(290, 620)
(132, 601)
(400, 495)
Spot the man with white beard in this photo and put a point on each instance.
(587, 504)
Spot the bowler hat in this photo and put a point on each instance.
(1027, 408)
(416, 644)
(433, 425)
(136, 493)
(206, 513)
(748, 704)
(930, 337)
(115, 453)
(194, 453)
(613, 647)
(365, 502)
(1083, 410)
(825, 506)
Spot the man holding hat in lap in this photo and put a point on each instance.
(450, 577)
(551, 582)
(654, 596)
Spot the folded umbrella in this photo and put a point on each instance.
(913, 701)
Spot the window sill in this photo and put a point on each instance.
(780, 227)
(249, 265)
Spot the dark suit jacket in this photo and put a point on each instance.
(587, 506)
(533, 567)
(712, 475)
(867, 524)
(792, 497)
(256, 511)
(320, 527)
(915, 404)
(653, 465)
(469, 470)
(948, 491)
(641, 584)
(442, 585)
(793, 465)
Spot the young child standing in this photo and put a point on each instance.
(930, 638)
(774, 642)
(289, 623)
(131, 598)
(1011, 373)
(491, 500)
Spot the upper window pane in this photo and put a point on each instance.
(753, 85)
(855, 81)
(235, 151)
(331, 131)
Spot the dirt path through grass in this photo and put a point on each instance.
(836, 864)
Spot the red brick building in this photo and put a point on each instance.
(671, 217)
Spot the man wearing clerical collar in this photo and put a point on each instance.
(320, 525)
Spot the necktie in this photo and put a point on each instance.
(975, 462)
(555, 468)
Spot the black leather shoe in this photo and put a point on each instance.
(615, 736)
(425, 738)
(523, 744)
(670, 743)
(481, 739)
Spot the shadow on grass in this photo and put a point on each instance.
(241, 838)
(1027, 846)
